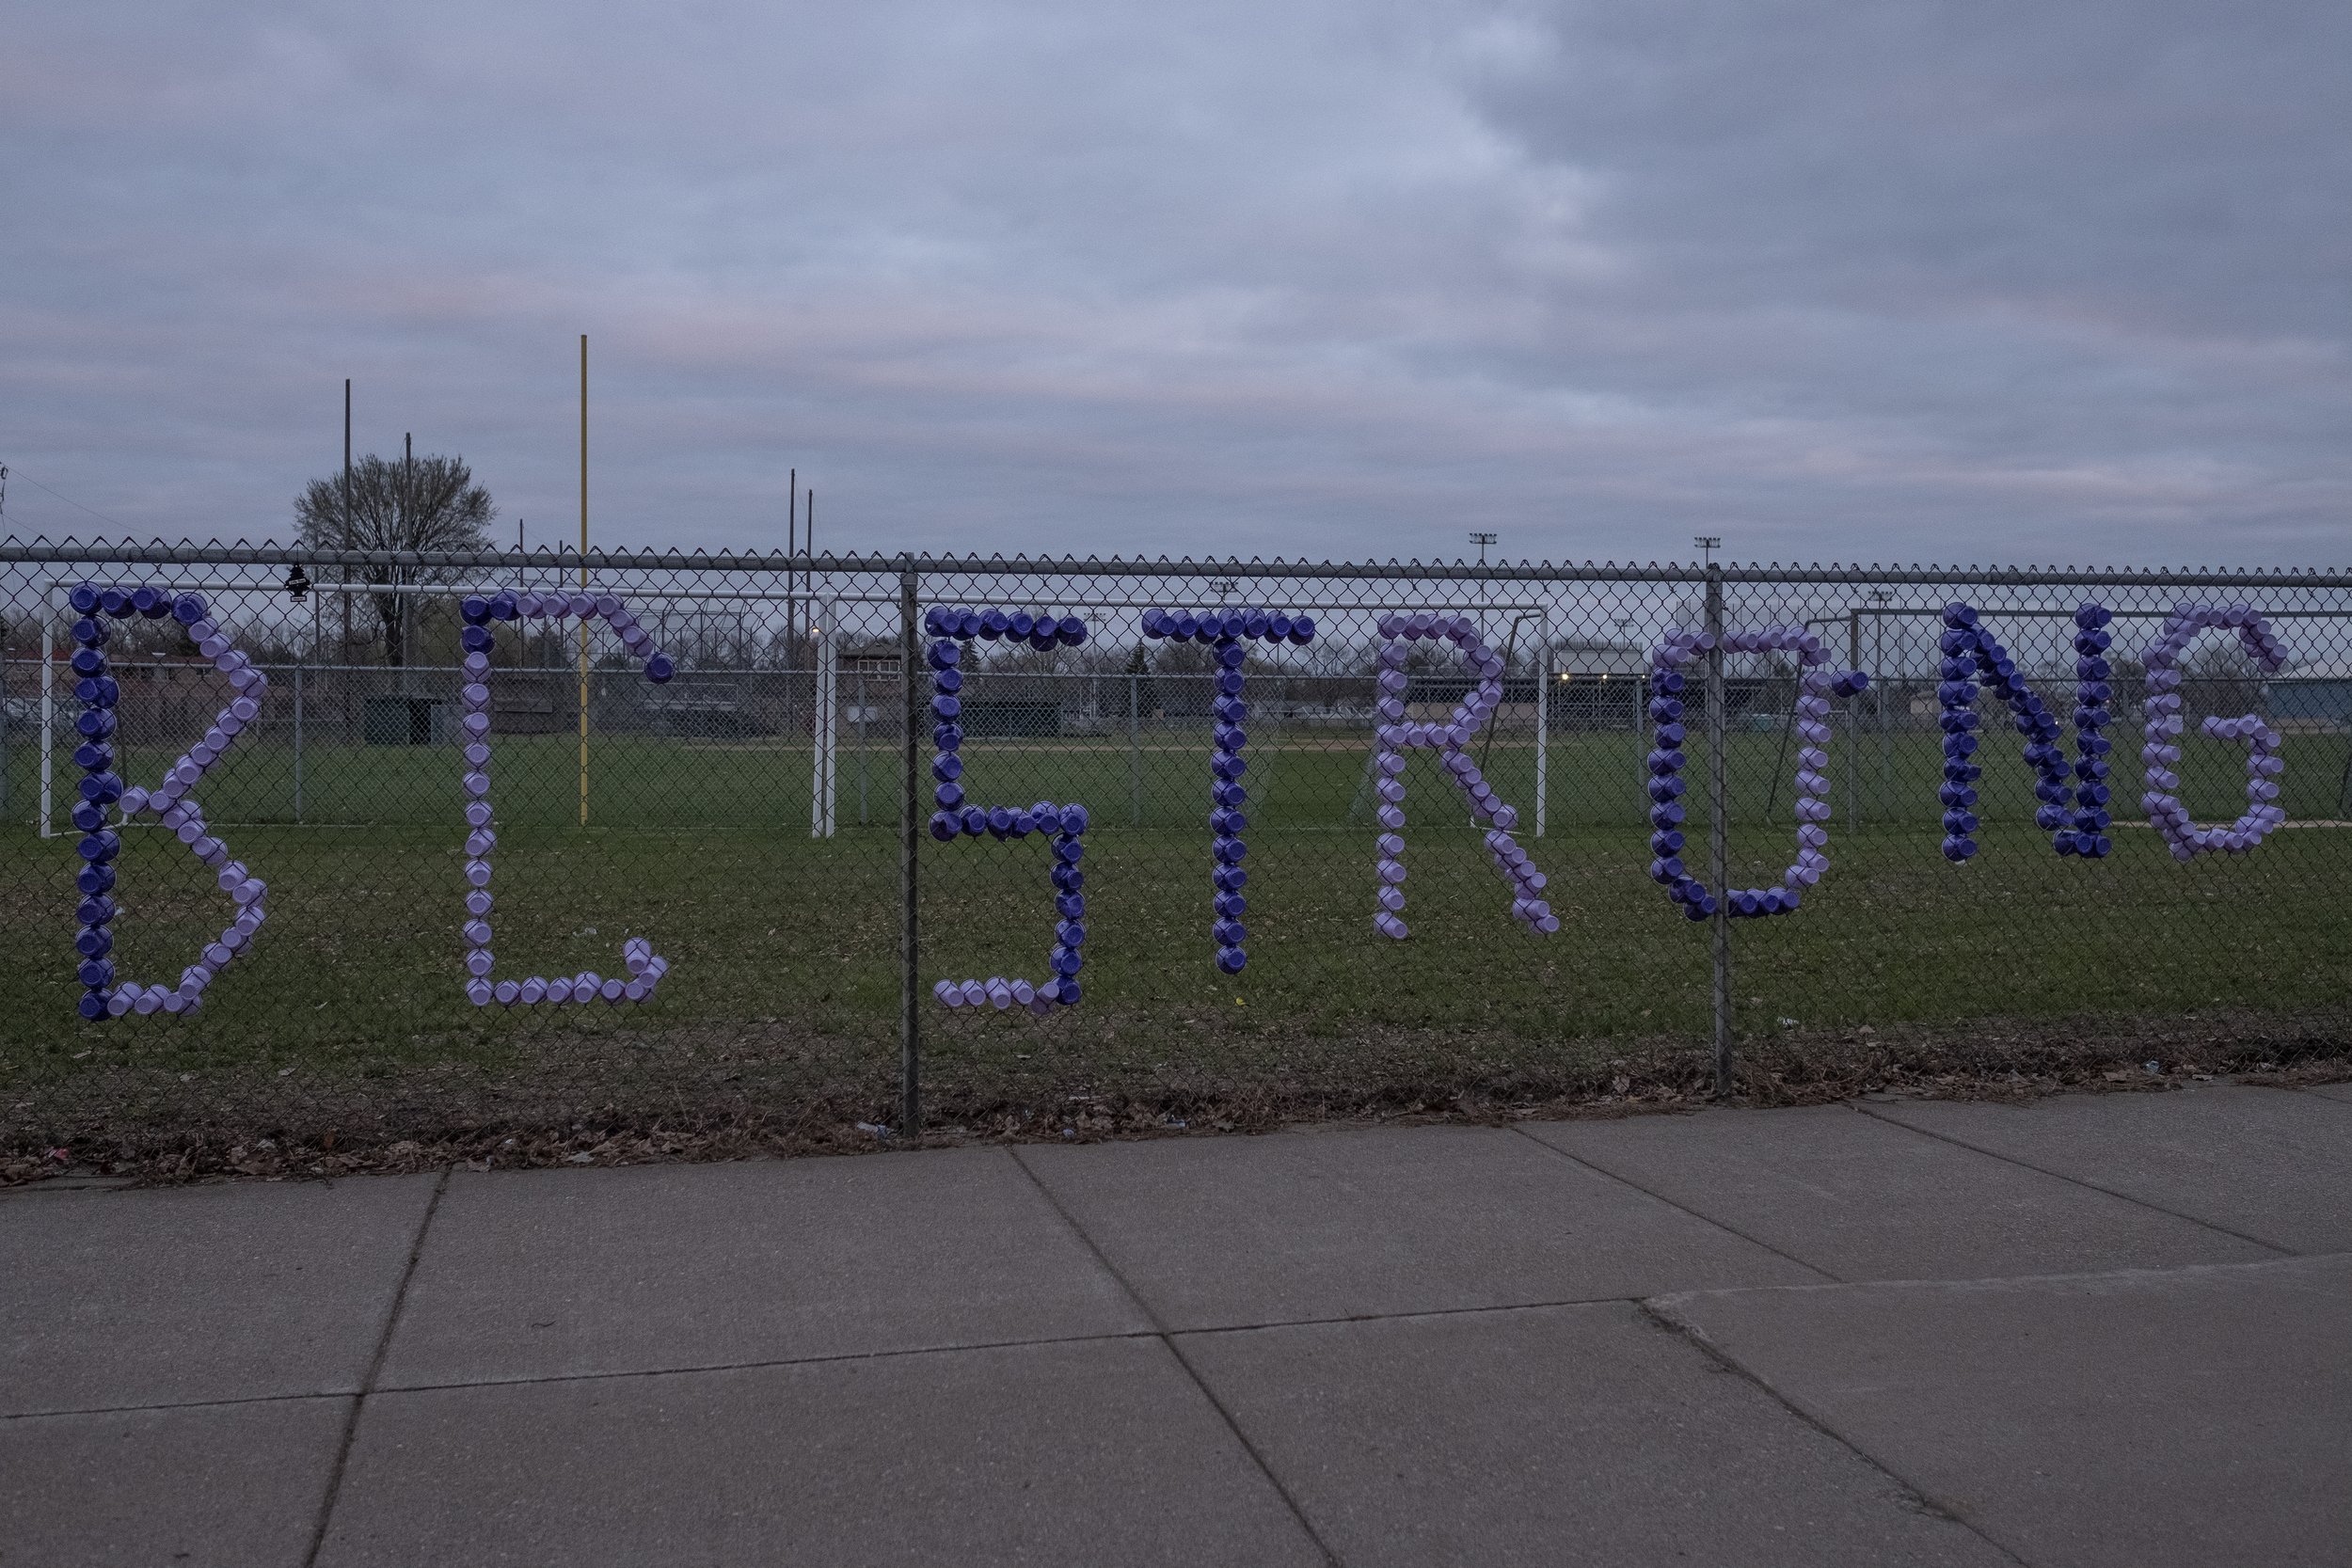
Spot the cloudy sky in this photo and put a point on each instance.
(2001, 282)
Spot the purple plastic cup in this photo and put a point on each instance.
(533, 991)
(478, 902)
(1389, 925)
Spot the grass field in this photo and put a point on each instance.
(706, 849)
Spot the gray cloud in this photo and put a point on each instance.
(1979, 282)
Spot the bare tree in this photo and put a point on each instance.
(425, 504)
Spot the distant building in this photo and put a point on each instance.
(2317, 699)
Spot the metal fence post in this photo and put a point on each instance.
(1853, 722)
(48, 714)
(297, 757)
(1543, 734)
(826, 729)
(910, 836)
(1134, 746)
(1718, 830)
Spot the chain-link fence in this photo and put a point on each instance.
(1400, 831)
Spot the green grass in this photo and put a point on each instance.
(780, 938)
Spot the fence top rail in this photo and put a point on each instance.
(267, 554)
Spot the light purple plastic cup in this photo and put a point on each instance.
(478, 814)
(478, 902)
(1391, 898)
(480, 843)
(1392, 817)
(478, 871)
(480, 961)
(975, 993)
(612, 989)
(950, 993)
(508, 993)
(1389, 925)
(149, 1001)
(476, 932)
(480, 993)
(535, 990)
(637, 989)
(559, 989)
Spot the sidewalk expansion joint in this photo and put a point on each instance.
(2079, 1182)
(1606, 1174)
(1925, 1501)
(367, 1381)
(1160, 1331)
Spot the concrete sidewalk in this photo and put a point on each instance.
(2097, 1330)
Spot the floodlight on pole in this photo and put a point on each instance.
(1708, 544)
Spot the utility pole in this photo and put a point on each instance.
(1482, 539)
(407, 500)
(342, 654)
(791, 553)
(583, 578)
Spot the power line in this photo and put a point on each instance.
(19, 473)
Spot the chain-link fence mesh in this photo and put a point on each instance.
(745, 817)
